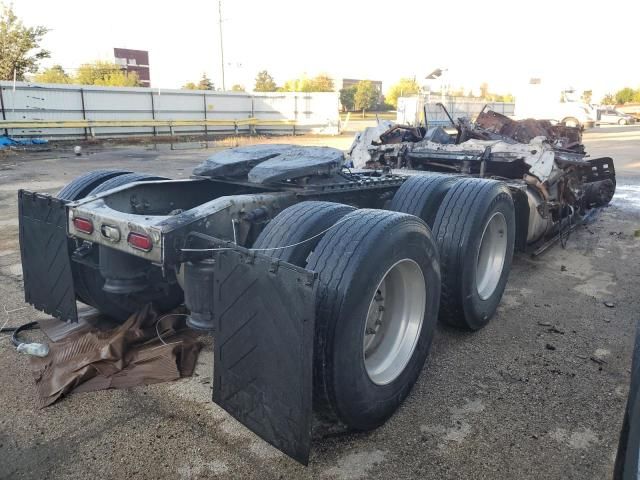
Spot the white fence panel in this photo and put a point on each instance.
(411, 110)
(29, 101)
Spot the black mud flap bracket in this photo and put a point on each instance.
(601, 169)
(264, 315)
(44, 250)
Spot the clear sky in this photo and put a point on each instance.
(584, 44)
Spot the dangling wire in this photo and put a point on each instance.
(162, 318)
(266, 249)
(563, 243)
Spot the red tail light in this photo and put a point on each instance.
(83, 225)
(140, 241)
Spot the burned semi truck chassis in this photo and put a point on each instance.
(321, 285)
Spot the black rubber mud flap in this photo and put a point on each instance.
(46, 264)
(263, 347)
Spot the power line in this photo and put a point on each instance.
(89, 64)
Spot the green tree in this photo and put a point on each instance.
(348, 98)
(20, 50)
(55, 74)
(494, 97)
(319, 83)
(205, 83)
(106, 74)
(237, 88)
(264, 82)
(484, 90)
(322, 83)
(305, 85)
(608, 99)
(190, 86)
(625, 95)
(298, 85)
(293, 86)
(119, 79)
(405, 87)
(366, 96)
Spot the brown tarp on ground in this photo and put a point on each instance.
(88, 318)
(134, 353)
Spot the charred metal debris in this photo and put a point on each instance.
(547, 162)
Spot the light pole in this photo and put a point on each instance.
(438, 73)
(221, 46)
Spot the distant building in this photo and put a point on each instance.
(134, 61)
(352, 82)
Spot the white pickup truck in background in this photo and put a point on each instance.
(547, 102)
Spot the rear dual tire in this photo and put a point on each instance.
(422, 195)
(124, 179)
(379, 288)
(293, 234)
(473, 222)
(475, 234)
(352, 261)
(81, 186)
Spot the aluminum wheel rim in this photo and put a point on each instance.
(394, 321)
(491, 255)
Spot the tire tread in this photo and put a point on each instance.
(334, 261)
(79, 187)
(457, 212)
(421, 195)
(121, 180)
(297, 223)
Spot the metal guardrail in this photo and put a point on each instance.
(21, 124)
(90, 125)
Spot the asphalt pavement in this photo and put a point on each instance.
(539, 393)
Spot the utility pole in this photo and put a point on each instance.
(221, 46)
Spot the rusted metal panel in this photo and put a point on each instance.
(489, 124)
